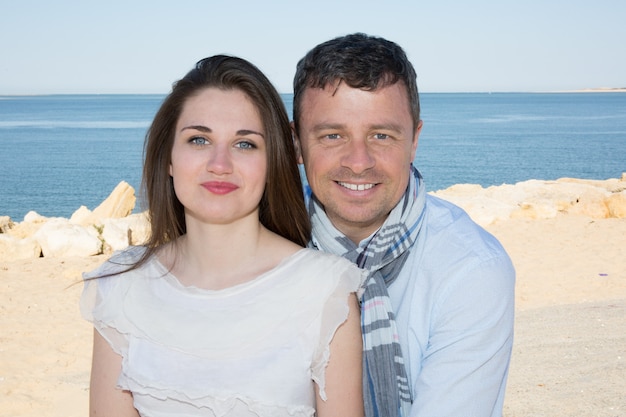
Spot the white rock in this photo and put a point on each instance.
(537, 199)
(34, 217)
(120, 203)
(139, 227)
(59, 238)
(15, 249)
(115, 235)
(6, 224)
(81, 216)
(616, 203)
(120, 233)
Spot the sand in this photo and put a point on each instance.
(569, 356)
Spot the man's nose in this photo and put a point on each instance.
(358, 156)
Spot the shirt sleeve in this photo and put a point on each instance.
(103, 295)
(465, 364)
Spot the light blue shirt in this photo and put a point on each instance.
(454, 306)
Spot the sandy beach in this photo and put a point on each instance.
(569, 357)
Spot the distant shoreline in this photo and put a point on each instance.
(583, 90)
(598, 90)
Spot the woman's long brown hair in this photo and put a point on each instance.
(281, 208)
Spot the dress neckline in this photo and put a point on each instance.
(174, 282)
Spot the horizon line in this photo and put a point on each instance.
(582, 90)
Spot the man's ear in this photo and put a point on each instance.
(296, 144)
(416, 136)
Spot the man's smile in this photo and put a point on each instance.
(356, 187)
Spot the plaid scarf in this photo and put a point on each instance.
(386, 389)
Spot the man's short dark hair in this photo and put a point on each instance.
(359, 60)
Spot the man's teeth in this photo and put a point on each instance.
(356, 187)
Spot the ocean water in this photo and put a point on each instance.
(60, 152)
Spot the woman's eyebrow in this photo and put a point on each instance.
(201, 128)
(205, 129)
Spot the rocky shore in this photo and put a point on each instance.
(111, 226)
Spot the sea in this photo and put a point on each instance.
(60, 152)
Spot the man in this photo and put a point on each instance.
(446, 350)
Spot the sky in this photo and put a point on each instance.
(143, 46)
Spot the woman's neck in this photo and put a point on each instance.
(221, 256)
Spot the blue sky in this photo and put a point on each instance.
(141, 46)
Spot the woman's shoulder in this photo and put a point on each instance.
(330, 265)
(327, 259)
(119, 262)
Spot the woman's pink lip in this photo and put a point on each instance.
(219, 187)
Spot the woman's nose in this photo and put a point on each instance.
(220, 160)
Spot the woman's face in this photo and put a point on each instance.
(219, 163)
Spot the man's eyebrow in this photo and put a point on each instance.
(387, 126)
(205, 129)
(394, 127)
(327, 126)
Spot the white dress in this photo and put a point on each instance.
(254, 349)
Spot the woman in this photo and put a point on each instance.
(223, 312)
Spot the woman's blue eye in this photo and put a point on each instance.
(246, 145)
(198, 140)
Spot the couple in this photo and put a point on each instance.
(225, 313)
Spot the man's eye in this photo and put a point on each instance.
(332, 136)
(381, 136)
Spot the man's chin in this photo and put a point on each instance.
(352, 219)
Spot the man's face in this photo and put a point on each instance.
(356, 147)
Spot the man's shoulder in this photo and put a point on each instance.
(442, 215)
(447, 228)
(452, 251)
